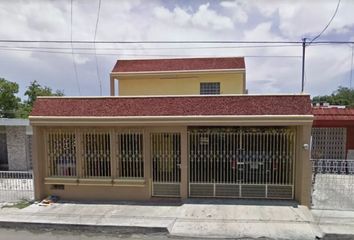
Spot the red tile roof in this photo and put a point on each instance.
(333, 116)
(173, 106)
(181, 64)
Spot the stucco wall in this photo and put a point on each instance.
(80, 189)
(16, 148)
(181, 84)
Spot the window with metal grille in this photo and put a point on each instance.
(209, 88)
(329, 143)
(61, 157)
(97, 154)
(130, 155)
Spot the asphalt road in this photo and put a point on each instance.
(15, 234)
(53, 234)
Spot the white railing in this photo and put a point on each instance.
(333, 184)
(15, 186)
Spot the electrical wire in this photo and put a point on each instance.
(94, 44)
(148, 55)
(169, 42)
(72, 49)
(158, 48)
(330, 21)
(351, 68)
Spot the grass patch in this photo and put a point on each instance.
(20, 205)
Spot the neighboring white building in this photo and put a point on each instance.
(15, 144)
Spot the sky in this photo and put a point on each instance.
(268, 69)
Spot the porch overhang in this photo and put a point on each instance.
(226, 120)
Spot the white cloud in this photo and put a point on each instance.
(307, 18)
(205, 17)
(254, 20)
(238, 9)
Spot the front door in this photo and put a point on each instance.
(166, 160)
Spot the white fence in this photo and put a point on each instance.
(16, 186)
(333, 184)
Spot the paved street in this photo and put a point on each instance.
(50, 234)
(11, 234)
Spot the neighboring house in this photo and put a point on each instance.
(333, 133)
(15, 144)
(141, 147)
(191, 76)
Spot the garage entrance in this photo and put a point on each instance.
(166, 160)
(241, 162)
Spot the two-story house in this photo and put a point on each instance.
(180, 128)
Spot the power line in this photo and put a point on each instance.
(351, 68)
(144, 54)
(157, 48)
(169, 42)
(330, 21)
(94, 44)
(72, 49)
(145, 42)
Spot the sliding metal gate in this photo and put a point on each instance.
(166, 160)
(241, 162)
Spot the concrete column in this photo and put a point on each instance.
(112, 86)
(38, 164)
(184, 163)
(113, 146)
(147, 160)
(16, 148)
(303, 166)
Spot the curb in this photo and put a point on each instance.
(84, 228)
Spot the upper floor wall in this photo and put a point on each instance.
(192, 76)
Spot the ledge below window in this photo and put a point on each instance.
(96, 182)
(65, 181)
(129, 182)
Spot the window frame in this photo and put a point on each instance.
(210, 88)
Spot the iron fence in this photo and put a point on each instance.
(15, 186)
(241, 162)
(333, 184)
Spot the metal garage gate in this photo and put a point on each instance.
(166, 160)
(241, 162)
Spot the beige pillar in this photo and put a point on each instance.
(113, 146)
(147, 160)
(184, 163)
(112, 86)
(38, 163)
(303, 166)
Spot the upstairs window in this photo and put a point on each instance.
(207, 88)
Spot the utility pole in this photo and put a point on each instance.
(303, 65)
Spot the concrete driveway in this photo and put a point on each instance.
(198, 218)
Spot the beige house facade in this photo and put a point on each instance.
(146, 147)
(183, 76)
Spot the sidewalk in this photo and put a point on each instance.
(334, 222)
(188, 219)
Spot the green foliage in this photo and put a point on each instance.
(33, 91)
(9, 102)
(11, 105)
(20, 205)
(343, 96)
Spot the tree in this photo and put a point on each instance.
(33, 91)
(342, 96)
(9, 102)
